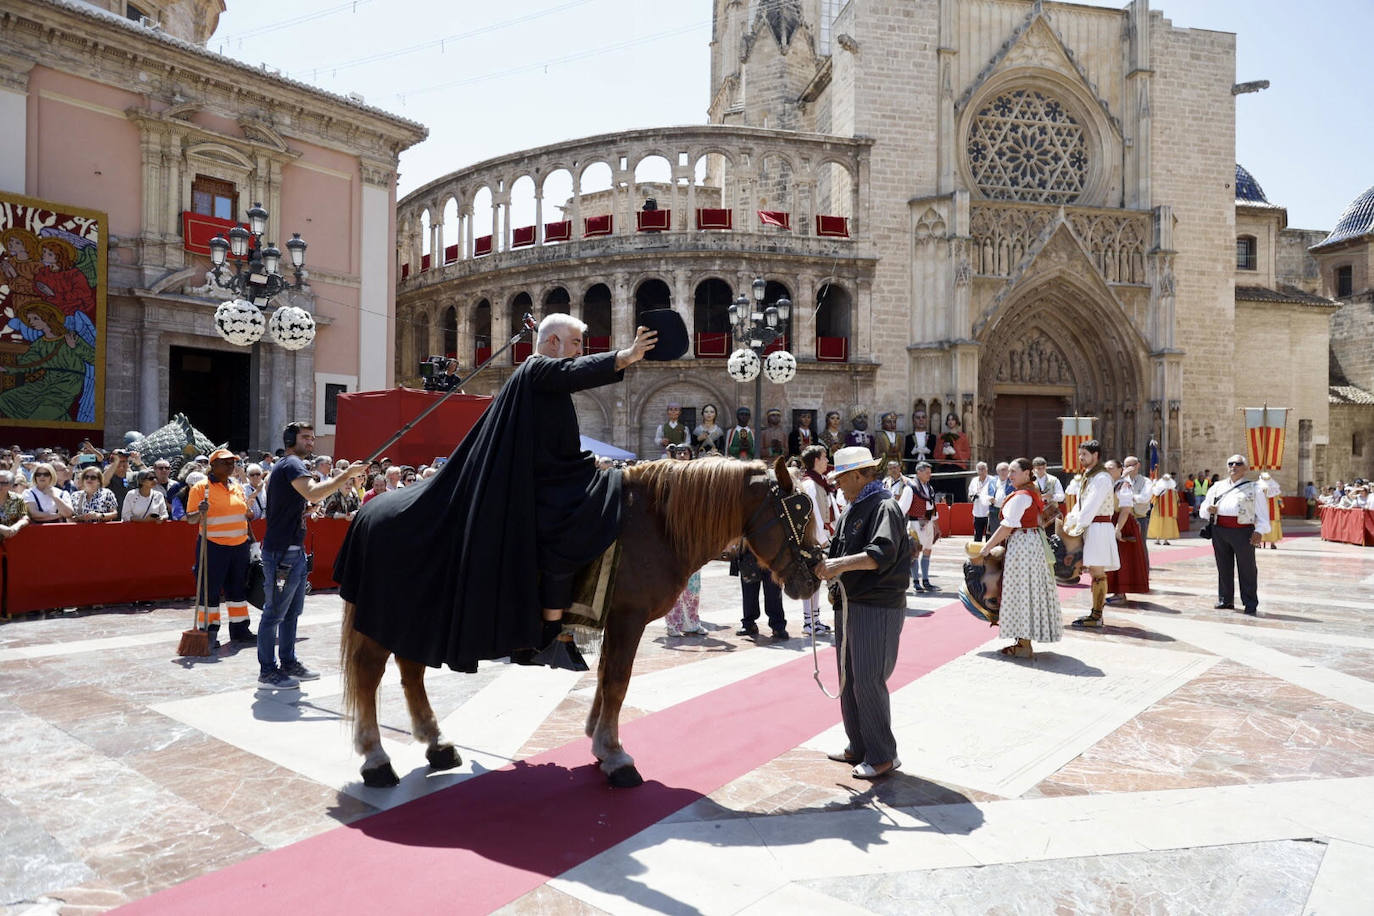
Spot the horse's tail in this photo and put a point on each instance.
(348, 646)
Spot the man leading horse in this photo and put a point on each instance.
(486, 582)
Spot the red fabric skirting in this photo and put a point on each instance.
(1347, 526)
(126, 561)
(558, 232)
(522, 237)
(776, 218)
(1133, 578)
(481, 246)
(450, 253)
(424, 262)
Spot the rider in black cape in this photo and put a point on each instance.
(472, 556)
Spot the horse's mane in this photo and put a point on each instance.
(701, 502)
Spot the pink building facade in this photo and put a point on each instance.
(137, 120)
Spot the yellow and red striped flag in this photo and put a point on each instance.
(1077, 430)
(1264, 435)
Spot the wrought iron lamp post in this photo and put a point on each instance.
(255, 281)
(755, 327)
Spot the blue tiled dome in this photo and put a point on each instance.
(1357, 220)
(1247, 188)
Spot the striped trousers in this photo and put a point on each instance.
(866, 646)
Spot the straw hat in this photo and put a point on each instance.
(852, 458)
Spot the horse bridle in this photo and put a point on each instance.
(794, 510)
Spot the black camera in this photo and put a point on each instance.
(433, 372)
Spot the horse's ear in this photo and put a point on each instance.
(783, 474)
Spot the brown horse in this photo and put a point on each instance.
(678, 516)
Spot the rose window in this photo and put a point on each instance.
(1024, 145)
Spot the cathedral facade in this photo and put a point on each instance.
(1007, 211)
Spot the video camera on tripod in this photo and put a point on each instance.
(435, 373)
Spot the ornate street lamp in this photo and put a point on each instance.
(255, 281)
(755, 327)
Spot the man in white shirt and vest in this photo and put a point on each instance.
(1140, 494)
(1093, 519)
(1051, 490)
(1240, 518)
(980, 494)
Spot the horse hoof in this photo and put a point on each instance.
(380, 777)
(443, 757)
(626, 777)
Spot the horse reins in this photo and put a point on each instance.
(795, 539)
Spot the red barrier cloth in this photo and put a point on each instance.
(521, 352)
(834, 226)
(597, 225)
(653, 220)
(775, 218)
(711, 218)
(424, 262)
(713, 345)
(481, 246)
(366, 419)
(1294, 507)
(1348, 526)
(522, 237)
(480, 355)
(126, 561)
(832, 349)
(450, 254)
(197, 230)
(597, 344)
(558, 232)
(956, 518)
(1185, 515)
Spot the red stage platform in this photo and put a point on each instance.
(366, 419)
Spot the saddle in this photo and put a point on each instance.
(592, 591)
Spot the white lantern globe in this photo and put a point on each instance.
(292, 327)
(240, 322)
(744, 365)
(780, 367)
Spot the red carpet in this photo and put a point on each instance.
(476, 846)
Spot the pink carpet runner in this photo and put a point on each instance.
(476, 846)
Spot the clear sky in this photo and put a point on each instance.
(490, 79)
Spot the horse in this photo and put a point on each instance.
(677, 517)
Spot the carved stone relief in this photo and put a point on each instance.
(1038, 362)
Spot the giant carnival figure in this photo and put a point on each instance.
(507, 524)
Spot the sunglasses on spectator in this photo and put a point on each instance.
(38, 474)
(255, 473)
(91, 477)
(1235, 464)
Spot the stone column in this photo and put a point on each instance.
(683, 304)
(622, 312)
(803, 322)
(375, 289)
(14, 123)
(278, 390)
(1306, 470)
(538, 216)
(150, 413)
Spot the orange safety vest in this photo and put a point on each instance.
(226, 519)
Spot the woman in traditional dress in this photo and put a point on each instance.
(1134, 574)
(1164, 517)
(832, 437)
(708, 436)
(1269, 488)
(53, 368)
(1030, 610)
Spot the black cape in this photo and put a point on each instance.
(446, 571)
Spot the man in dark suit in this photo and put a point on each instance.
(801, 436)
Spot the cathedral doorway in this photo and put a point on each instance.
(212, 388)
(1027, 425)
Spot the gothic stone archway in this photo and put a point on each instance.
(1055, 351)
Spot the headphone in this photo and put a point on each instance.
(292, 431)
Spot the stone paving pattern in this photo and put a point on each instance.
(117, 800)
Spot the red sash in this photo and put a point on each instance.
(1230, 521)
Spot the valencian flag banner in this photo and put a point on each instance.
(1077, 430)
(1264, 433)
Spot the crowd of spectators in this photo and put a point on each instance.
(92, 486)
(1353, 495)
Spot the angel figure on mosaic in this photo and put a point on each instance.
(53, 369)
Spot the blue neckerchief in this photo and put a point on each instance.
(871, 488)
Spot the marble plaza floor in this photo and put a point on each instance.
(1185, 760)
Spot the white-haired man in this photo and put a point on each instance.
(519, 509)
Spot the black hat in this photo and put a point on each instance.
(672, 333)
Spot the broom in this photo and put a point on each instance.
(195, 642)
